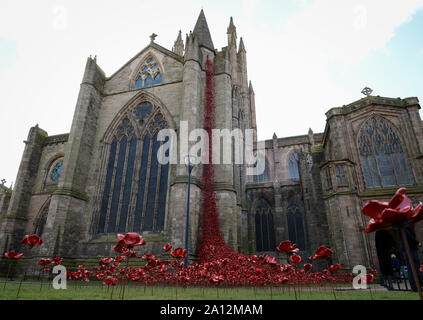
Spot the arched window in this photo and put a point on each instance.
(294, 172)
(382, 155)
(260, 176)
(41, 220)
(265, 230)
(135, 189)
(295, 224)
(54, 172)
(149, 74)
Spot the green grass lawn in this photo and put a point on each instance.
(94, 291)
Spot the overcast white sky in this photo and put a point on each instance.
(304, 57)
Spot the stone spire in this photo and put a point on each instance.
(202, 32)
(178, 47)
(241, 46)
(231, 33)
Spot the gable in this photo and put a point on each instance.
(170, 65)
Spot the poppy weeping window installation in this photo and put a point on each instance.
(265, 232)
(295, 224)
(135, 187)
(149, 74)
(382, 155)
(293, 166)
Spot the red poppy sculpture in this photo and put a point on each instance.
(130, 240)
(32, 240)
(398, 213)
(287, 247)
(13, 255)
(322, 252)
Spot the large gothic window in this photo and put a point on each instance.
(382, 155)
(149, 74)
(295, 224)
(294, 172)
(265, 230)
(135, 187)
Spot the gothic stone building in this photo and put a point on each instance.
(78, 190)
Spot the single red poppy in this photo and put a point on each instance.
(167, 247)
(398, 210)
(131, 239)
(56, 261)
(179, 253)
(308, 266)
(335, 267)
(13, 255)
(44, 262)
(287, 247)
(32, 240)
(322, 252)
(295, 259)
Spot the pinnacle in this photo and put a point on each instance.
(201, 30)
(241, 46)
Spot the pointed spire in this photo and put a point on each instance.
(178, 46)
(231, 33)
(201, 30)
(251, 87)
(241, 46)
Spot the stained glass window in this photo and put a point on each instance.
(264, 225)
(56, 171)
(293, 166)
(340, 175)
(135, 183)
(149, 71)
(382, 155)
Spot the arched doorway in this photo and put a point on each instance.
(387, 243)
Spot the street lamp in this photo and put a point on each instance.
(190, 162)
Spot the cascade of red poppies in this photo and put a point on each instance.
(212, 246)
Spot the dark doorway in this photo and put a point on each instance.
(387, 243)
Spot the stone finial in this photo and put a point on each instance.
(153, 37)
(311, 136)
(274, 136)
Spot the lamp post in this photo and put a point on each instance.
(190, 162)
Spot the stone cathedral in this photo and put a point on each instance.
(78, 190)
